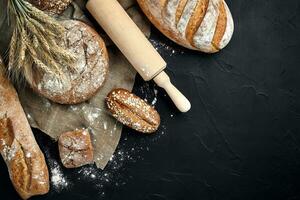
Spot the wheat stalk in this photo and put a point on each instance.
(34, 45)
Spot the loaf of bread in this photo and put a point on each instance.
(75, 148)
(25, 161)
(132, 111)
(90, 69)
(52, 6)
(204, 25)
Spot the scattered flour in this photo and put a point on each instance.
(154, 101)
(92, 114)
(105, 125)
(58, 180)
(162, 47)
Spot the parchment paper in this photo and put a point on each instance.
(54, 119)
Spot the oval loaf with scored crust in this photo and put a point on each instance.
(204, 25)
(132, 111)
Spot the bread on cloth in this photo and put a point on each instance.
(90, 68)
(203, 25)
(24, 159)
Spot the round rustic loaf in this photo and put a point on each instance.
(52, 6)
(204, 25)
(89, 71)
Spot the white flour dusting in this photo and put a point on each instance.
(58, 180)
(162, 47)
(130, 150)
(9, 153)
(186, 16)
(88, 72)
(105, 125)
(154, 101)
(113, 175)
(92, 114)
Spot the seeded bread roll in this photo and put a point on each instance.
(24, 159)
(132, 111)
(203, 25)
(52, 6)
(90, 69)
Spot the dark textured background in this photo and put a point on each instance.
(240, 140)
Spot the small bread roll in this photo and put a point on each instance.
(90, 69)
(75, 148)
(132, 111)
(203, 25)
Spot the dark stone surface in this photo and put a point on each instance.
(241, 138)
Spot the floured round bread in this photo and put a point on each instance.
(90, 69)
(204, 25)
(52, 6)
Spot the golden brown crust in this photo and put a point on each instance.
(196, 19)
(52, 6)
(180, 9)
(75, 148)
(163, 3)
(20, 173)
(6, 133)
(221, 26)
(25, 161)
(158, 24)
(132, 111)
(92, 65)
(20, 164)
(198, 35)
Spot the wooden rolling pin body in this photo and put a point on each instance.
(135, 46)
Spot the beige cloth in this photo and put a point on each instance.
(54, 119)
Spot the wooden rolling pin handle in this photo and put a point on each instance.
(135, 46)
(181, 102)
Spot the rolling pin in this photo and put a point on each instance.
(135, 47)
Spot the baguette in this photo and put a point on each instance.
(203, 25)
(25, 161)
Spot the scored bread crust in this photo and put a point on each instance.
(203, 25)
(90, 68)
(24, 159)
(220, 27)
(52, 6)
(132, 111)
(229, 29)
